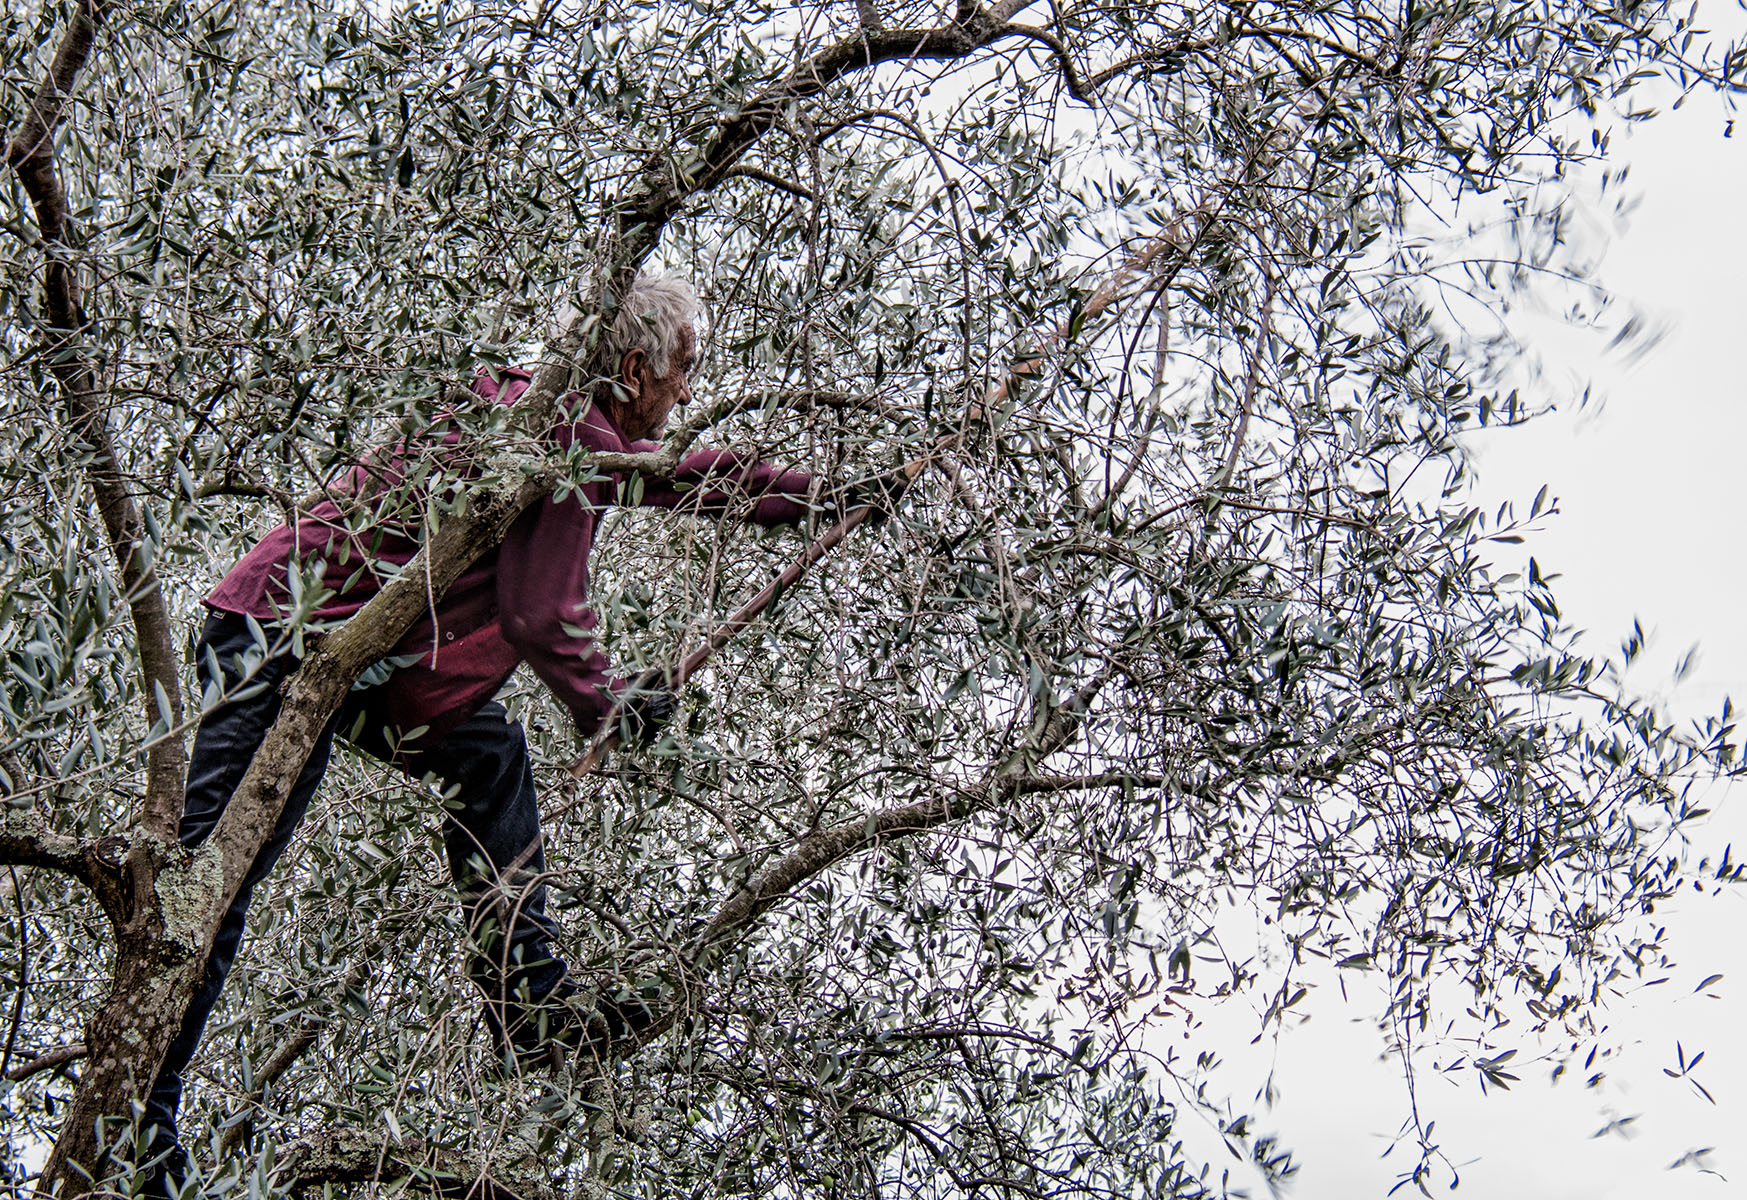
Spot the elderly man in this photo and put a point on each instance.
(428, 707)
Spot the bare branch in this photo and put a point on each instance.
(774, 180)
(1070, 74)
(25, 841)
(349, 1158)
(58, 1057)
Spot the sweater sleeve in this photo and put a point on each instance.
(710, 481)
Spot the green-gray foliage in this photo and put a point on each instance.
(1228, 508)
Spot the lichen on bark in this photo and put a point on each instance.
(187, 893)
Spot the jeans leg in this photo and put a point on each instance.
(492, 835)
(224, 744)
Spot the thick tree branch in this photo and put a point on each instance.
(328, 672)
(26, 842)
(665, 184)
(31, 150)
(821, 850)
(162, 959)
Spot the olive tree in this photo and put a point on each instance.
(1185, 612)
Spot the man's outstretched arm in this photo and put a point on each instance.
(710, 482)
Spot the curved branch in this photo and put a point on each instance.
(31, 154)
(770, 177)
(664, 185)
(1070, 74)
(58, 1057)
(817, 851)
(820, 850)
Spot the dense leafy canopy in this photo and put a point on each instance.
(1185, 628)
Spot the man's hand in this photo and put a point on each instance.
(643, 712)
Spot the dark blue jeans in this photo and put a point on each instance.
(491, 833)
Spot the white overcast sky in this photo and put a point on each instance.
(1650, 493)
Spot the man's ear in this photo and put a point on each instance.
(631, 372)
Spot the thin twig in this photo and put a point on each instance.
(23, 973)
(774, 180)
(1252, 380)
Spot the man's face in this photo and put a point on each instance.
(650, 398)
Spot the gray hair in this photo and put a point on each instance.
(649, 318)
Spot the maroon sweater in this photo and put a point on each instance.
(525, 601)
